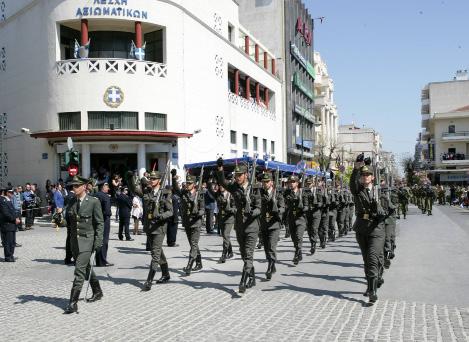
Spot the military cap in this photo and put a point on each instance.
(78, 180)
(9, 189)
(155, 175)
(309, 180)
(241, 168)
(92, 181)
(190, 179)
(293, 178)
(366, 170)
(266, 177)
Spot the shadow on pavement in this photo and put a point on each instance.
(56, 301)
(51, 261)
(352, 279)
(131, 250)
(121, 281)
(346, 252)
(208, 284)
(338, 263)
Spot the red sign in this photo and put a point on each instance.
(73, 170)
(303, 29)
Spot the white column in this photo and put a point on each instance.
(141, 159)
(85, 160)
(141, 121)
(323, 123)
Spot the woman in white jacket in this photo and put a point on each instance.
(136, 212)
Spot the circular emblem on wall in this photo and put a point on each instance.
(113, 96)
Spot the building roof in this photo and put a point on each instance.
(462, 109)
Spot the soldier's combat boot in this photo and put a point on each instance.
(287, 232)
(313, 248)
(373, 286)
(268, 273)
(223, 256)
(189, 266)
(251, 279)
(296, 259)
(151, 276)
(198, 263)
(73, 304)
(259, 245)
(323, 243)
(368, 287)
(230, 252)
(97, 292)
(242, 283)
(165, 277)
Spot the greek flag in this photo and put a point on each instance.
(81, 51)
(137, 53)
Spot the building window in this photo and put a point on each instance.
(112, 120)
(70, 121)
(233, 137)
(230, 33)
(245, 141)
(155, 122)
(451, 129)
(254, 143)
(155, 46)
(272, 147)
(264, 145)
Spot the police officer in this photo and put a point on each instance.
(369, 226)
(272, 209)
(313, 214)
(248, 209)
(192, 211)
(296, 205)
(85, 221)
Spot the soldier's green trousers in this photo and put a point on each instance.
(313, 221)
(225, 232)
(390, 231)
(351, 211)
(247, 242)
(428, 205)
(193, 236)
(370, 238)
(270, 239)
(157, 255)
(297, 230)
(403, 208)
(82, 269)
(341, 221)
(324, 223)
(332, 222)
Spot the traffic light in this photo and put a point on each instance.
(72, 161)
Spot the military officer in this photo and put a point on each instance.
(313, 214)
(192, 211)
(85, 221)
(272, 209)
(333, 206)
(389, 208)
(369, 226)
(248, 209)
(296, 206)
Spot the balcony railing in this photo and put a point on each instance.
(455, 134)
(251, 105)
(111, 66)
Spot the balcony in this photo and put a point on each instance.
(251, 105)
(454, 162)
(455, 136)
(111, 66)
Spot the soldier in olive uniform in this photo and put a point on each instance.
(322, 192)
(313, 214)
(341, 211)
(159, 208)
(403, 201)
(369, 226)
(192, 211)
(85, 221)
(429, 197)
(248, 209)
(225, 220)
(272, 209)
(296, 207)
(350, 211)
(389, 225)
(333, 206)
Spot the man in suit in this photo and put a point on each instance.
(85, 221)
(8, 221)
(105, 200)
(124, 204)
(68, 249)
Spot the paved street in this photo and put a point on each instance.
(424, 297)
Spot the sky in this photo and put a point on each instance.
(381, 54)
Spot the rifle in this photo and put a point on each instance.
(250, 185)
(199, 188)
(162, 185)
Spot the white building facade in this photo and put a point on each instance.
(198, 93)
(354, 140)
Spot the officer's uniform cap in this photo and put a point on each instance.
(293, 178)
(266, 177)
(155, 175)
(190, 179)
(239, 169)
(366, 170)
(78, 180)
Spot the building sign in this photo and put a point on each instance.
(113, 97)
(304, 113)
(302, 60)
(111, 8)
(306, 143)
(299, 84)
(456, 177)
(304, 30)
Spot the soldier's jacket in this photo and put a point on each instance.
(192, 208)
(296, 204)
(349, 197)
(314, 201)
(157, 214)
(226, 207)
(325, 200)
(86, 224)
(387, 204)
(341, 200)
(246, 218)
(271, 209)
(403, 195)
(333, 201)
(429, 193)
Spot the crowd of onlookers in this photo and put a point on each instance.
(454, 195)
(453, 156)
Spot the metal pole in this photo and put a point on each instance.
(302, 142)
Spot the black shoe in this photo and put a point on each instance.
(189, 266)
(270, 270)
(108, 264)
(97, 292)
(173, 245)
(150, 277)
(121, 238)
(198, 263)
(223, 256)
(72, 305)
(17, 245)
(368, 288)
(68, 262)
(129, 239)
(373, 297)
(380, 282)
(259, 245)
(165, 277)
(252, 279)
(242, 283)
(387, 263)
(230, 252)
(296, 258)
(323, 244)
(313, 248)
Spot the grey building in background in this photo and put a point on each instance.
(286, 28)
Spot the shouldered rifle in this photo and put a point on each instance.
(199, 189)
(162, 185)
(250, 185)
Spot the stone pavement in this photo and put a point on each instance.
(318, 300)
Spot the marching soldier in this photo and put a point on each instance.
(192, 211)
(272, 209)
(313, 215)
(296, 206)
(322, 192)
(85, 221)
(248, 209)
(333, 206)
(403, 201)
(369, 225)
(389, 225)
(428, 197)
(341, 211)
(351, 210)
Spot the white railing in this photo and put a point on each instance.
(111, 66)
(251, 105)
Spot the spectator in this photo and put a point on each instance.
(16, 201)
(124, 204)
(105, 200)
(29, 203)
(59, 204)
(8, 224)
(136, 212)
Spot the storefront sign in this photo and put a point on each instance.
(299, 84)
(304, 113)
(456, 177)
(304, 30)
(111, 8)
(302, 60)
(306, 143)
